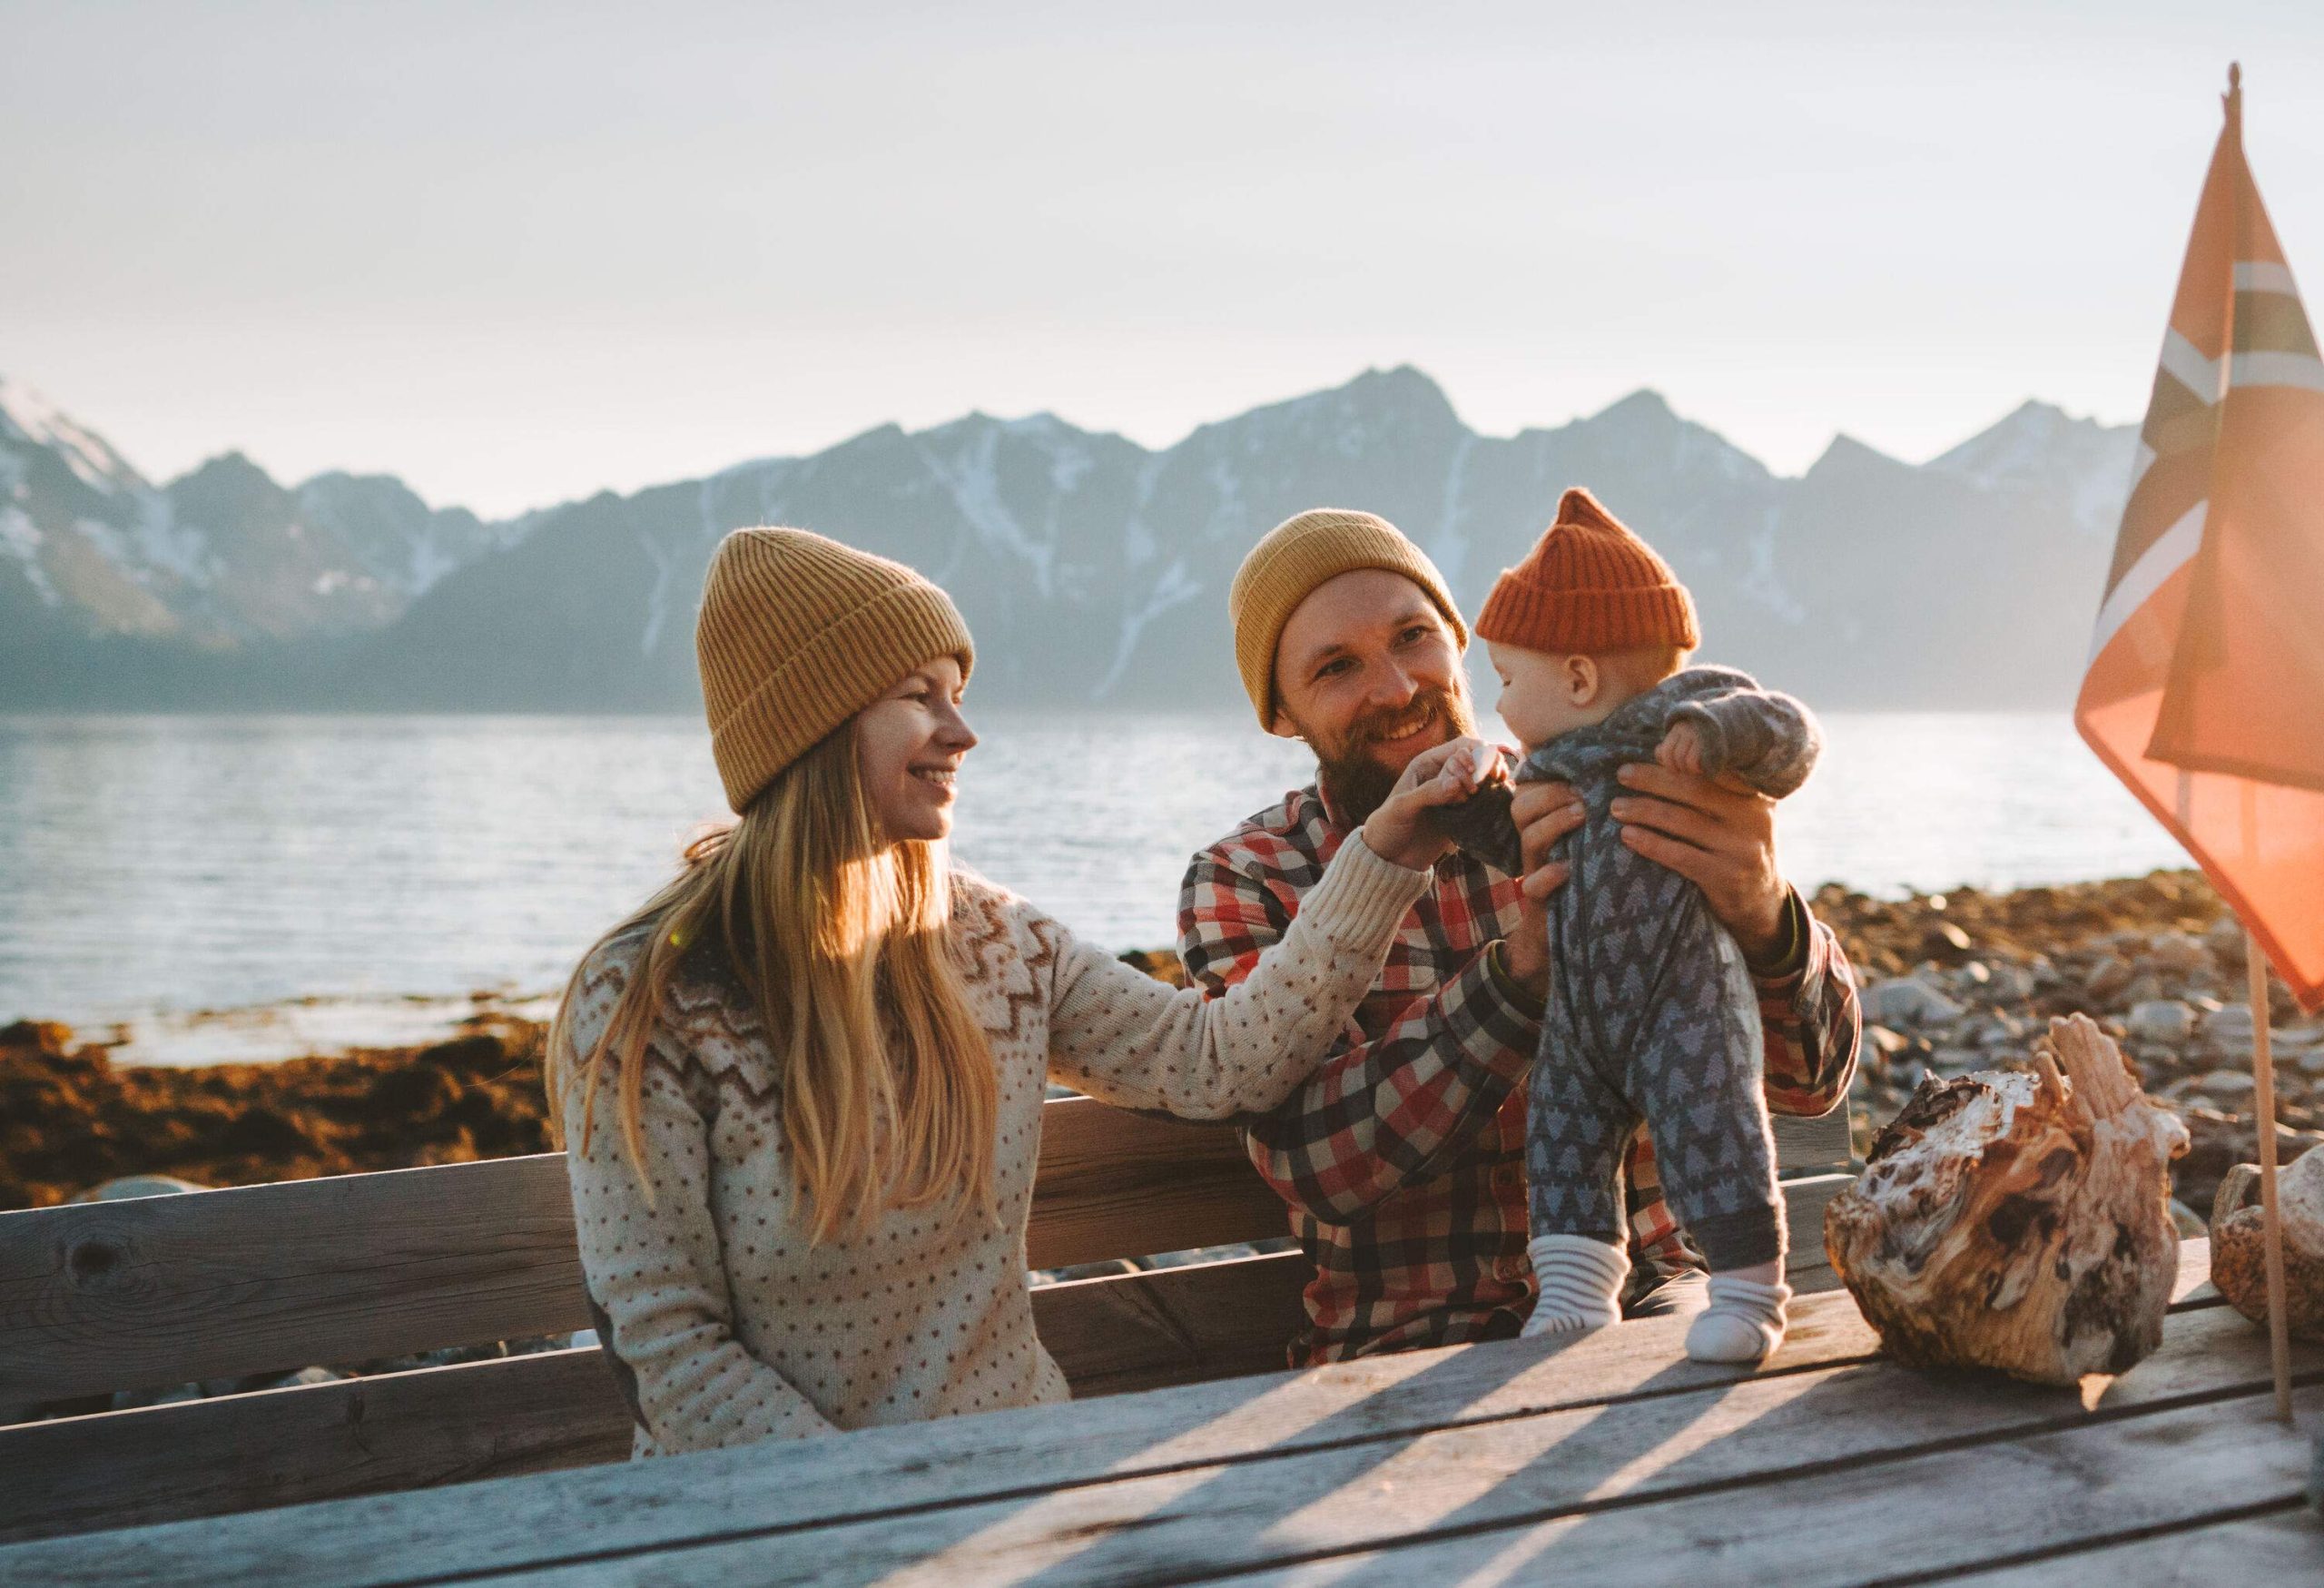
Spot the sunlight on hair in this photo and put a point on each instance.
(841, 942)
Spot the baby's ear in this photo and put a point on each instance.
(1580, 676)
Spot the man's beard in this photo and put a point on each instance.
(1352, 779)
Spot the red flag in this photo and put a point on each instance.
(2205, 693)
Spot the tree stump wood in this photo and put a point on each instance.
(2018, 1221)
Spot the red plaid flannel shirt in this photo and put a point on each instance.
(1403, 1158)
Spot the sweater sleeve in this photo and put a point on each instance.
(1395, 1096)
(1768, 739)
(655, 1273)
(1117, 1034)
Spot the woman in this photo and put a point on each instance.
(800, 1089)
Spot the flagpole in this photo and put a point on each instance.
(2271, 1231)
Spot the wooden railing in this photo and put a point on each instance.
(111, 1295)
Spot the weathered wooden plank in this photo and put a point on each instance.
(1939, 1513)
(560, 1409)
(1804, 1201)
(395, 1431)
(2285, 1546)
(257, 1278)
(1814, 1145)
(480, 1528)
(1113, 1184)
(1174, 1326)
(215, 1284)
(555, 1409)
(1558, 1476)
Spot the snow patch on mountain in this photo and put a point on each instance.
(969, 478)
(27, 416)
(2038, 447)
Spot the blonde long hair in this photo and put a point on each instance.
(840, 940)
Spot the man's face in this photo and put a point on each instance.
(1368, 674)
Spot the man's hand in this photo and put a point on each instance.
(1719, 836)
(1444, 775)
(1544, 812)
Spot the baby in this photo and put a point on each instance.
(1652, 1012)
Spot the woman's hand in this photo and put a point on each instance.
(1443, 776)
(1544, 812)
(1718, 836)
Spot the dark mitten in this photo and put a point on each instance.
(1483, 826)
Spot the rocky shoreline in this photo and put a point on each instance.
(1955, 981)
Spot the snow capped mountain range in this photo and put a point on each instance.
(1091, 569)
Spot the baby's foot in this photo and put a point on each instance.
(1744, 1322)
(1581, 1282)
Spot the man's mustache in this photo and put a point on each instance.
(1378, 727)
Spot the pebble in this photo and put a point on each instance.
(2160, 1019)
(2011, 983)
(2179, 951)
(1909, 1001)
(2231, 1024)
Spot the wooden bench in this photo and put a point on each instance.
(104, 1297)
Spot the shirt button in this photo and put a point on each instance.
(1509, 1269)
(1508, 1176)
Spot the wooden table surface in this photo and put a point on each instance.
(1609, 1460)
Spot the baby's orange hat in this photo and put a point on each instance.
(1590, 586)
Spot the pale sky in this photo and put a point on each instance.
(515, 253)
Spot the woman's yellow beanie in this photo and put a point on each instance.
(798, 634)
(1301, 553)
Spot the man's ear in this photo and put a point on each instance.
(1280, 725)
(1581, 679)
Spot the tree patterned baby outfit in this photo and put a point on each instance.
(1651, 1009)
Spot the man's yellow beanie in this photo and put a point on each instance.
(797, 635)
(1296, 555)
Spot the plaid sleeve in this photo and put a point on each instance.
(1379, 1110)
(1813, 1022)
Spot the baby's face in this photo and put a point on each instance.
(1544, 695)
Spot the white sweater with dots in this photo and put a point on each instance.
(726, 1325)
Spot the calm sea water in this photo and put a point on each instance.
(185, 863)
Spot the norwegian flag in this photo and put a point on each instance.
(2205, 693)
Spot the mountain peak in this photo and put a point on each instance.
(1845, 452)
(1399, 386)
(2038, 447)
(29, 419)
(1644, 406)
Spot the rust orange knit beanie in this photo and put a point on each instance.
(1590, 586)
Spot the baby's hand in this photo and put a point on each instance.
(1681, 749)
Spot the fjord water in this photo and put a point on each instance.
(205, 863)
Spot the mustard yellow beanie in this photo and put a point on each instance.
(797, 635)
(1301, 553)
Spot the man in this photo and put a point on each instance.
(1403, 1158)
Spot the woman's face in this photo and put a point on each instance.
(909, 743)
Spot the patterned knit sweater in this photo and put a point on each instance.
(724, 1325)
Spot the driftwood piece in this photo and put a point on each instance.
(2238, 1266)
(2018, 1221)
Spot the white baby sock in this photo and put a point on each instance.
(1580, 1281)
(1743, 1323)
